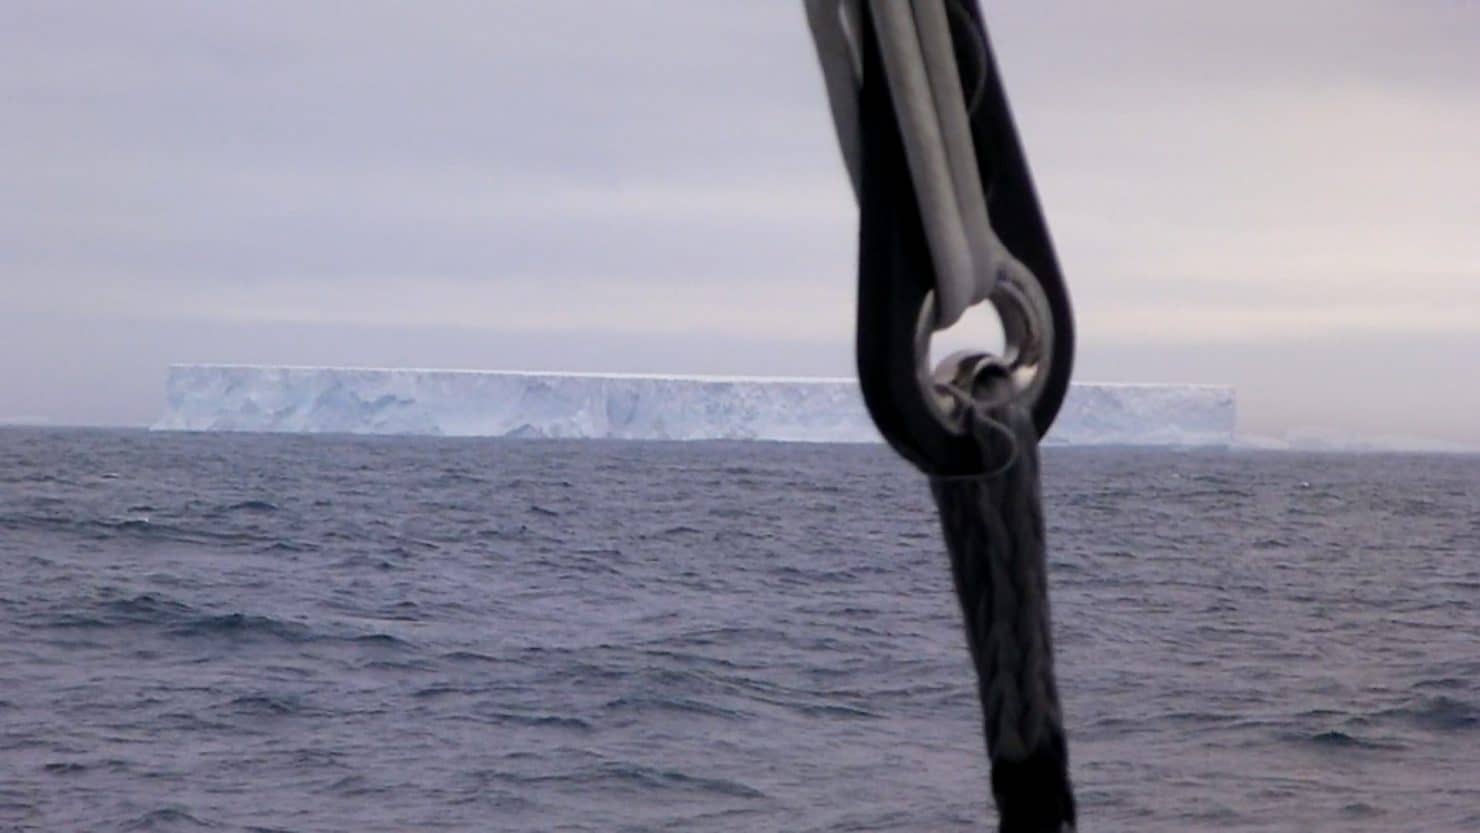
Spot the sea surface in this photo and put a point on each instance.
(291, 633)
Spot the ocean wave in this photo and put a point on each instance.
(168, 818)
(357, 786)
(668, 780)
(242, 626)
(468, 657)
(1361, 809)
(251, 506)
(1336, 739)
(143, 609)
(266, 704)
(544, 721)
(659, 703)
(286, 545)
(1439, 714)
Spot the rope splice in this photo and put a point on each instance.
(993, 528)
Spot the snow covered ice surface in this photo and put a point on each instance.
(622, 406)
(1126, 414)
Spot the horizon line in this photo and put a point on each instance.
(596, 374)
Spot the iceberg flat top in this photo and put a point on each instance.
(559, 374)
(525, 403)
(608, 374)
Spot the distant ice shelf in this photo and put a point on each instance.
(463, 403)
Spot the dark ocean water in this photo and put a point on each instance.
(218, 632)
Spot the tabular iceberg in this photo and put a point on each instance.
(622, 406)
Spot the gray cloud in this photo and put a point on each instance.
(612, 185)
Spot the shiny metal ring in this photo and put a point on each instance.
(1028, 339)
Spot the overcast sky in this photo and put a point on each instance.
(1280, 195)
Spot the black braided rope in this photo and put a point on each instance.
(993, 528)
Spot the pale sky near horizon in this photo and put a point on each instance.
(1281, 196)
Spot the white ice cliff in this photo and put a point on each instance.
(499, 403)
